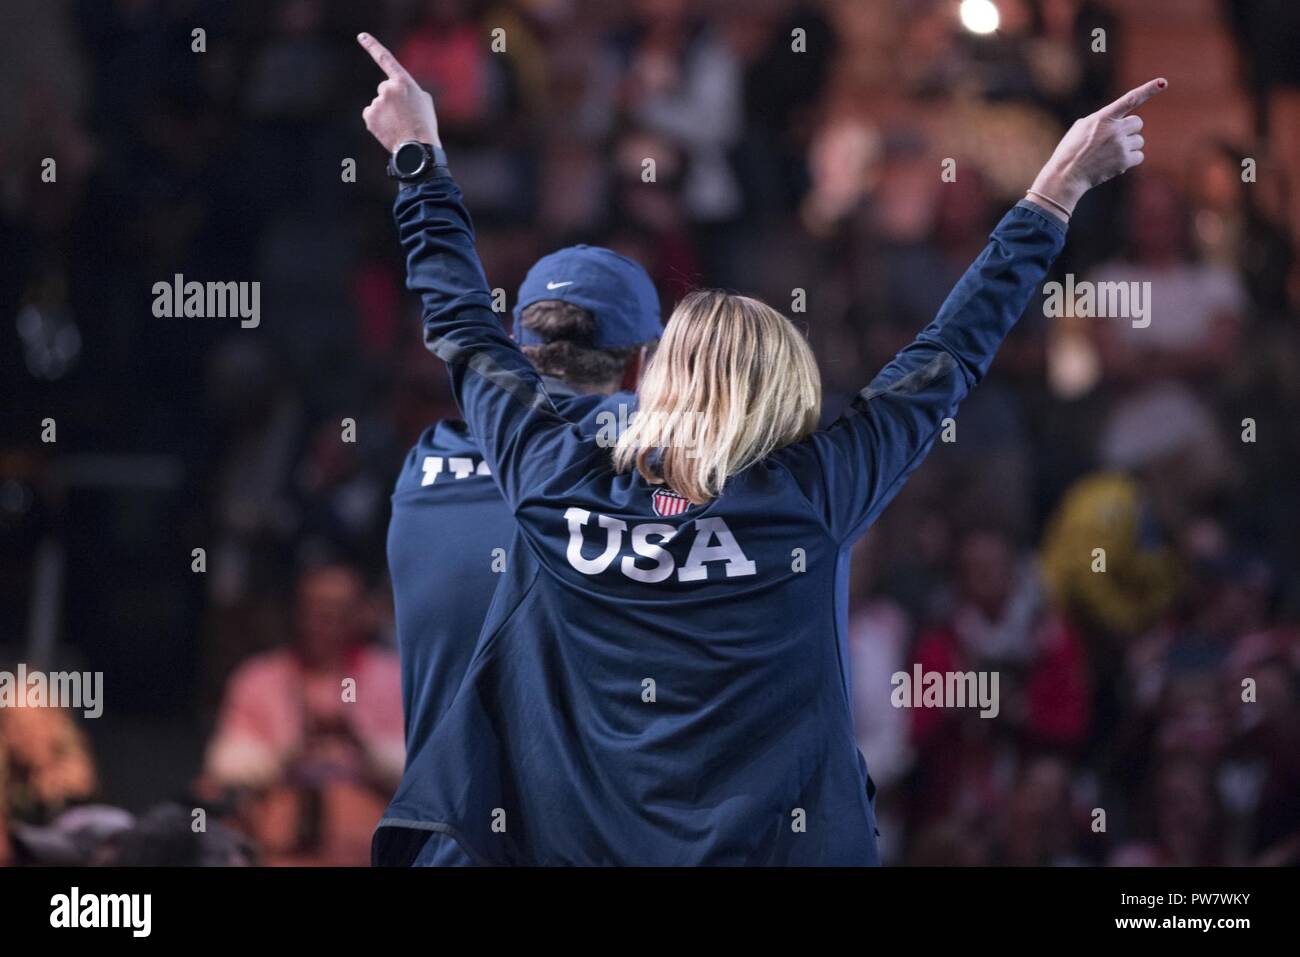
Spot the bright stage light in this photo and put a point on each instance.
(979, 16)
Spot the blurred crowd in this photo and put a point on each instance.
(1150, 713)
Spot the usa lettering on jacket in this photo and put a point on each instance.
(432, 467)
(713, 542)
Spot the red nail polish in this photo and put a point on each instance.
(1162, 84)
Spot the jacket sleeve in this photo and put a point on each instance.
(853, 469)
(523, 438)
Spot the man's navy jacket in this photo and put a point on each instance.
(658, 685)
(448, 541)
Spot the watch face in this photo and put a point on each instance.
(409, 159)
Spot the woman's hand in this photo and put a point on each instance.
(401, 111)
(1096, 148)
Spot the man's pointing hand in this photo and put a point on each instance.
(401, 111)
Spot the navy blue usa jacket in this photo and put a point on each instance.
(660, 686)
(449, 537)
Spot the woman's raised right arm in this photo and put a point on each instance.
(853, 469)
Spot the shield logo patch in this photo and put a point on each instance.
(668, 503)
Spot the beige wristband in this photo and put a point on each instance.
(1051, 202)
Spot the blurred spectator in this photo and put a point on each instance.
(478, 92)
(1184, 818)
(681, 81)
(1038, 826)
(292, 76)
(1231, 228)
(312, 734)
(1263, 777)
(998, 625)
(1196, 308)
(1170, 463)
(45, 764)
(878, 637)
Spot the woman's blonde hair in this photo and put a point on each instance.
(732, 381)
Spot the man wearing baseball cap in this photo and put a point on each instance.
(587, 318)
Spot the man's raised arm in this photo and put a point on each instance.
(497, 388)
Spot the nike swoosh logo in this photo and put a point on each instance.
(557, 285)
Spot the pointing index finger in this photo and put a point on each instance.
(379, 53)
(1134, 98)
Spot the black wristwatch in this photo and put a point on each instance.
(414, 160)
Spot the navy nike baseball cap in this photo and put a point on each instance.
(613, 288)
